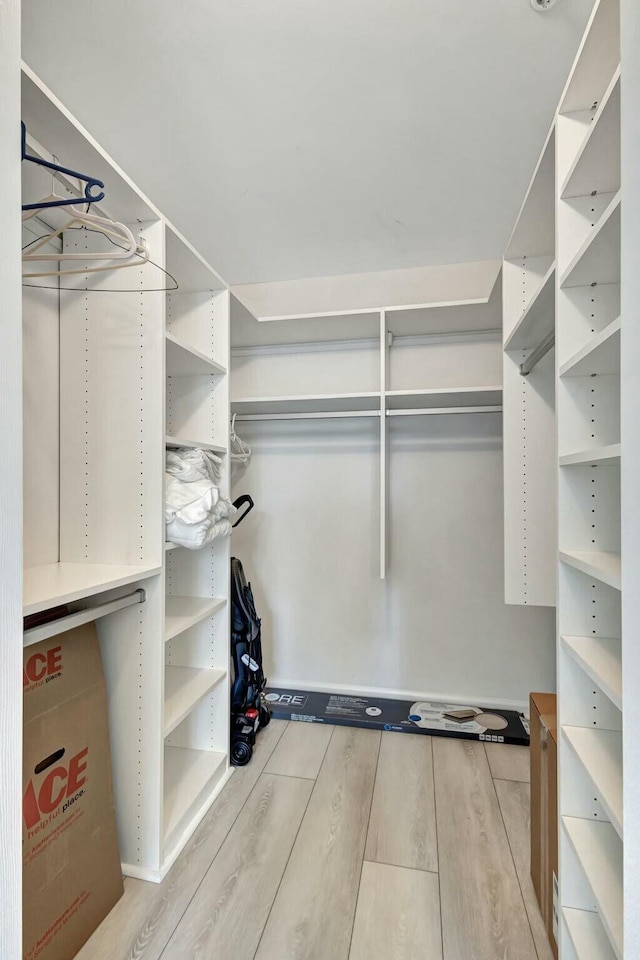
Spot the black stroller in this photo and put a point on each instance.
(249, 710)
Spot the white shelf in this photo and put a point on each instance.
(191, 271)
(597, 164)
(534, 231)
(538, 320)
(587, 935)
(601, 660)
(598, 259)
(51, 124)
(601, 355)
(182, 613)
(194, 444)
(57, 583)
(317, 403)
(605, 567)
(600, 753)
(444, 397)
(184, 688)
(185, 361)
(187, 774)
(168, 546)
(609, 455)
(599, 851)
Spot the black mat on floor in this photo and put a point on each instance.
(467, 721)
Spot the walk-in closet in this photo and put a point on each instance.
(319, 514)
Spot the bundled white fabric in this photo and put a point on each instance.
(191, 465)
(193, 536)
(239, 453)
(195, 512)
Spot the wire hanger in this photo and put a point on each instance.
(91, 182)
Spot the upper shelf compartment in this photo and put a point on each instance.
(398, 400)
(534, 232)
(598, 58)
(420, 300)
(191, 271)
(186, 361)
(319, 403)
(247, 331)
(452, 318)
(596, 167)
(598, 259)
(52, 126)
(538, 318)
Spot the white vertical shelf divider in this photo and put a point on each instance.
(592, 829)
(10, 491)
(530, 498)
(384, 445)
(195, 648)
(630, 468)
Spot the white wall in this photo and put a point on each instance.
(630, 351)
(10, 490)
(439, 624)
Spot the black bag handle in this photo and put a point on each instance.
(240, 502)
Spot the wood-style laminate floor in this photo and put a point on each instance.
(343, 844)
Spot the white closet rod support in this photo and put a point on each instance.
(52, 629)
(315, 415)
(536, 355)
(439, 411)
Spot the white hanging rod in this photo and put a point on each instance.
(52, 629)
(311, 415)
(438, 411)
(536, 355)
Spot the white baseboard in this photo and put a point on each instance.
(141, 873)
(390, 693)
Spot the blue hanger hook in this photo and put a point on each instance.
(91, 182)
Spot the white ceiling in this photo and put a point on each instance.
(298, 138)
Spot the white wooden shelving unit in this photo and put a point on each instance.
(529, 297)
(405, 360)
(589, 333)
(11, 479)
(139, 372)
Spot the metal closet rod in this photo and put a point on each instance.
(440, 411)
(310, 415)
(341, 414)
(77, 619)
(536, 355)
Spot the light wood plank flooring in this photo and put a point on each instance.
(343, 844)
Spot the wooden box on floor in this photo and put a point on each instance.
(544, 806)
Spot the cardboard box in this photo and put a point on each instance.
(71, 864)
(544, 808)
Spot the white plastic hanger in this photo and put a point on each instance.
(110, 228)
(131, 252)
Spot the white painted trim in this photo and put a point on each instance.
(141, 873)
(391, 693)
